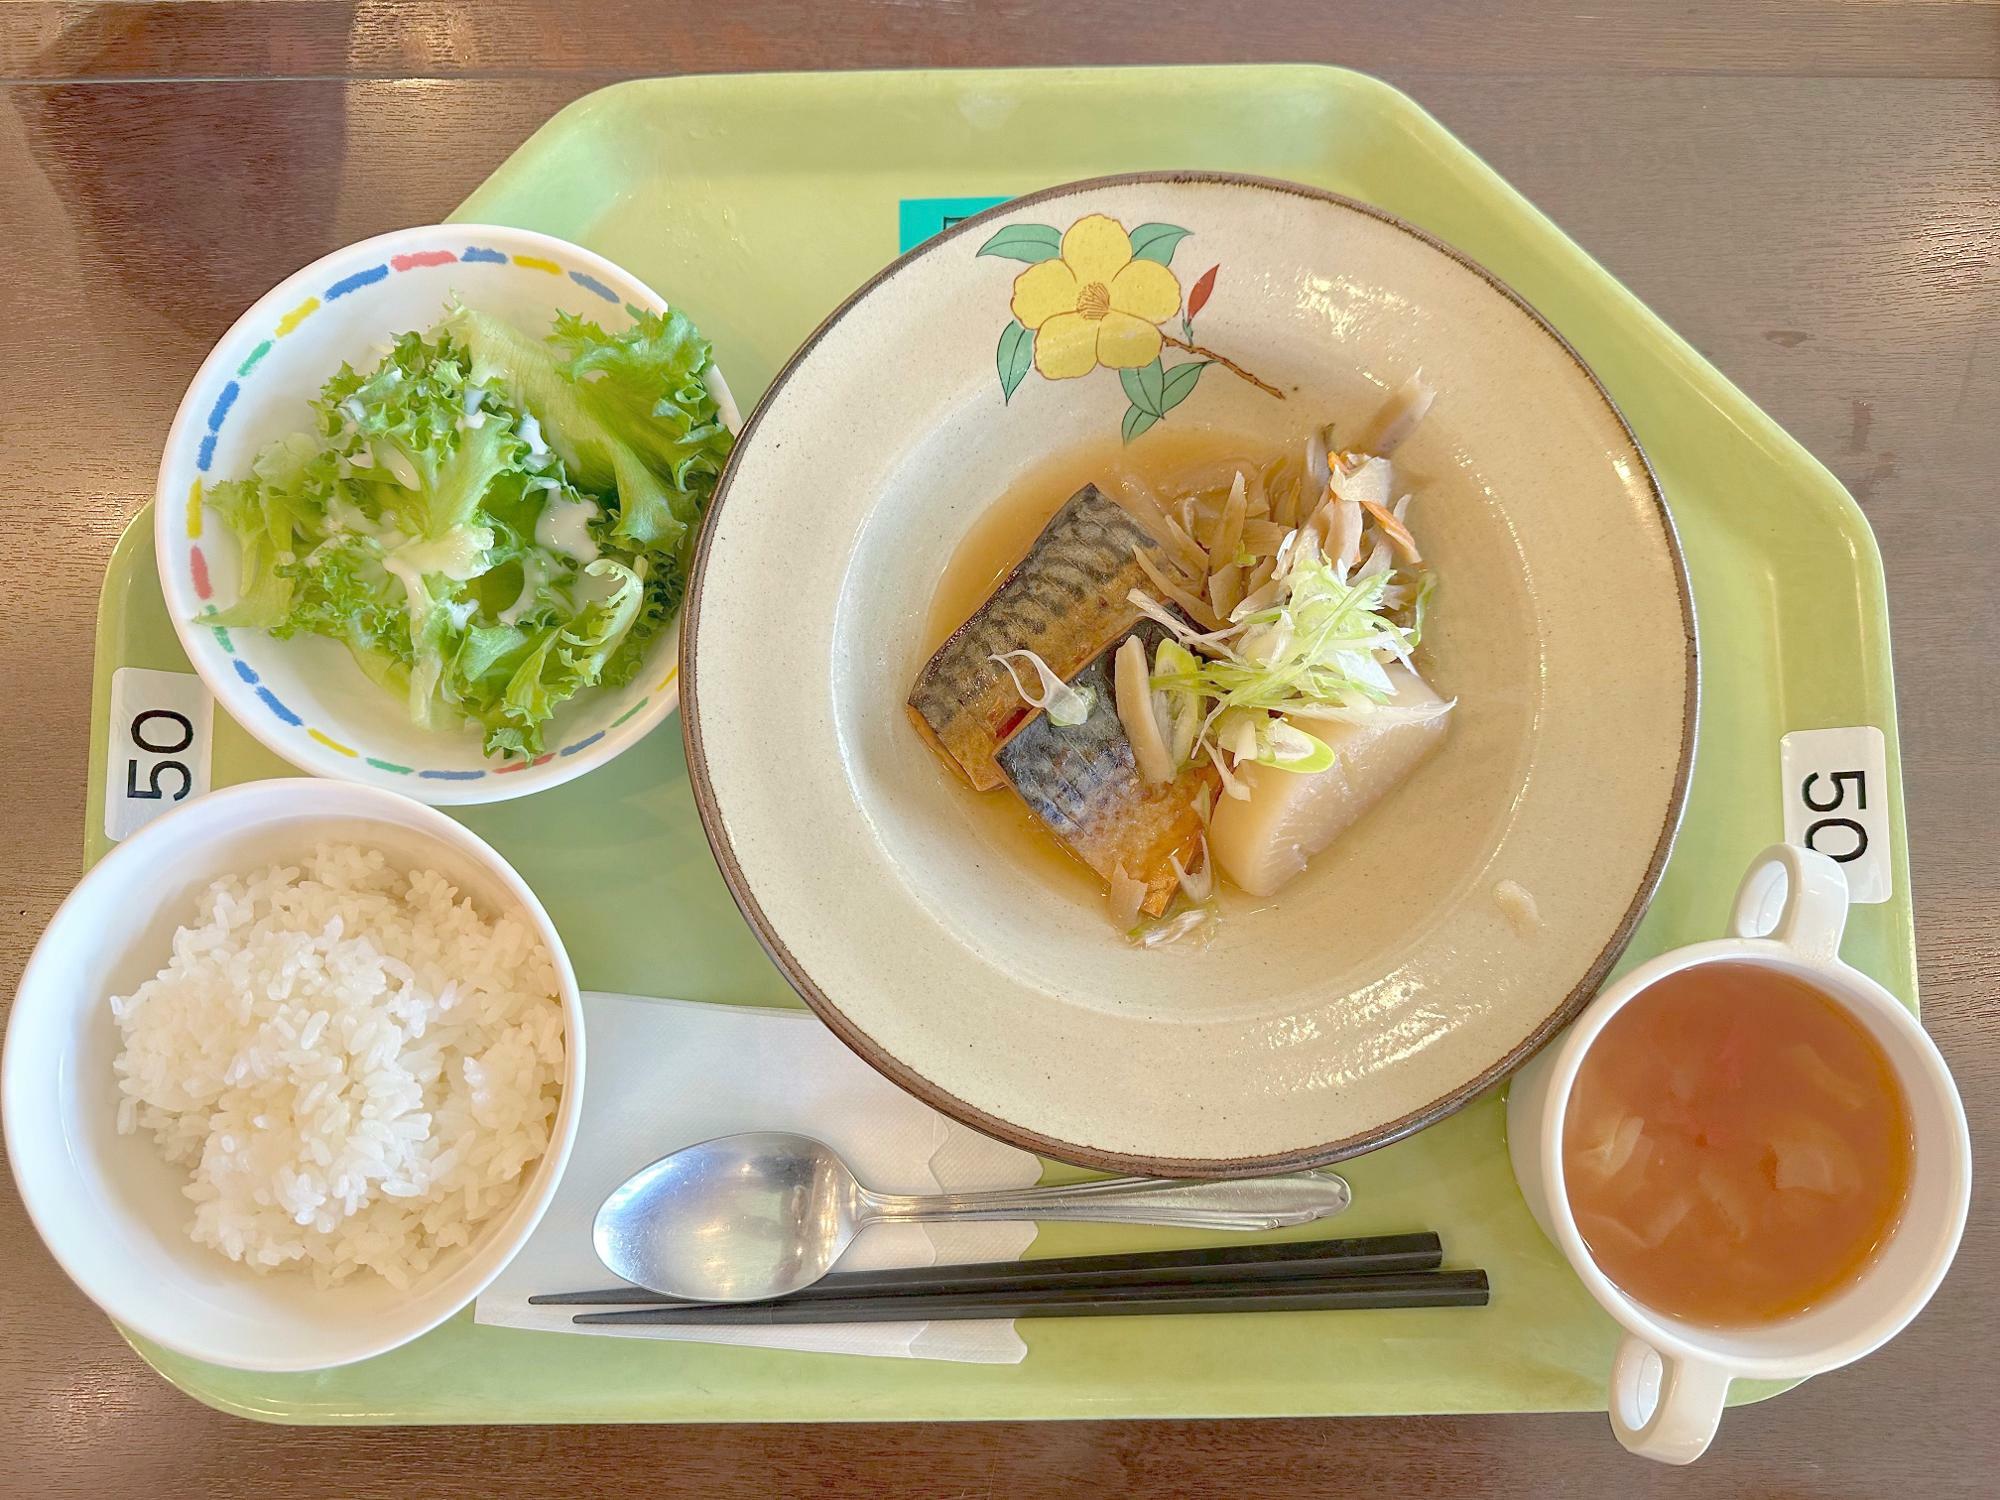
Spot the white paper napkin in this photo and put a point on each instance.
(662, 1074)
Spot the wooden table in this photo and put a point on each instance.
(1810, 191)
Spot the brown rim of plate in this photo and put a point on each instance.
(890, 1067)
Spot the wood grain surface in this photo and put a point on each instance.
(1809, 191)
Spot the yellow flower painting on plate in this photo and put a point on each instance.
(1099, 295)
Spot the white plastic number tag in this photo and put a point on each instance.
(1837, 802)
(158, 755)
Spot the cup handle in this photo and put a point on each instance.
(1664, 1409)
(1794, 896)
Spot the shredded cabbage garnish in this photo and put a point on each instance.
(1063, 704)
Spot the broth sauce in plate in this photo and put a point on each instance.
(1192, 462)
(1737, 1147)
(1189, 664)
(1195, 460)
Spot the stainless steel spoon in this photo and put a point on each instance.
(747, 1217)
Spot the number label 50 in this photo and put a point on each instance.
(1836, 802)
(158, 754)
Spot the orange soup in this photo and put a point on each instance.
(1737, 1146)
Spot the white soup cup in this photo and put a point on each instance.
(1670, 1378)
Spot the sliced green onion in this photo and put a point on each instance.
(1063, 704)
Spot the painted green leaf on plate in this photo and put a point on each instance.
(1156, 242)
(1145, 388)
(1136, 422)
(1029, 242)
(1015, 354)
(1180, 383)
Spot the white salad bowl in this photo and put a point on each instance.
(305, 698)
(111, 1207)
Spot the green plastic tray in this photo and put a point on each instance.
(757, 203)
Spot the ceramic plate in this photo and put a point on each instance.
(1385, 986)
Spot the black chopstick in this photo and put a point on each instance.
(1316, 1294)
(1375, 1255)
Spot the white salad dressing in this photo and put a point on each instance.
(564, 526)
(458, 554)
(343, 515)
(473, 418)
(536, 570)
(408, 456)
(397, 462)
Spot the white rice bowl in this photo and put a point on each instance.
(356, 1066)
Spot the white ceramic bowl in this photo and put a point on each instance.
(1671, 1378)
(110, 1207)
(305, 698)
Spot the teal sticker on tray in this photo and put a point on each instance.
(917, 219)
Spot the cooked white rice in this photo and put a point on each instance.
(357, 1067)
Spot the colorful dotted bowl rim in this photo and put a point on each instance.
(180, 520)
